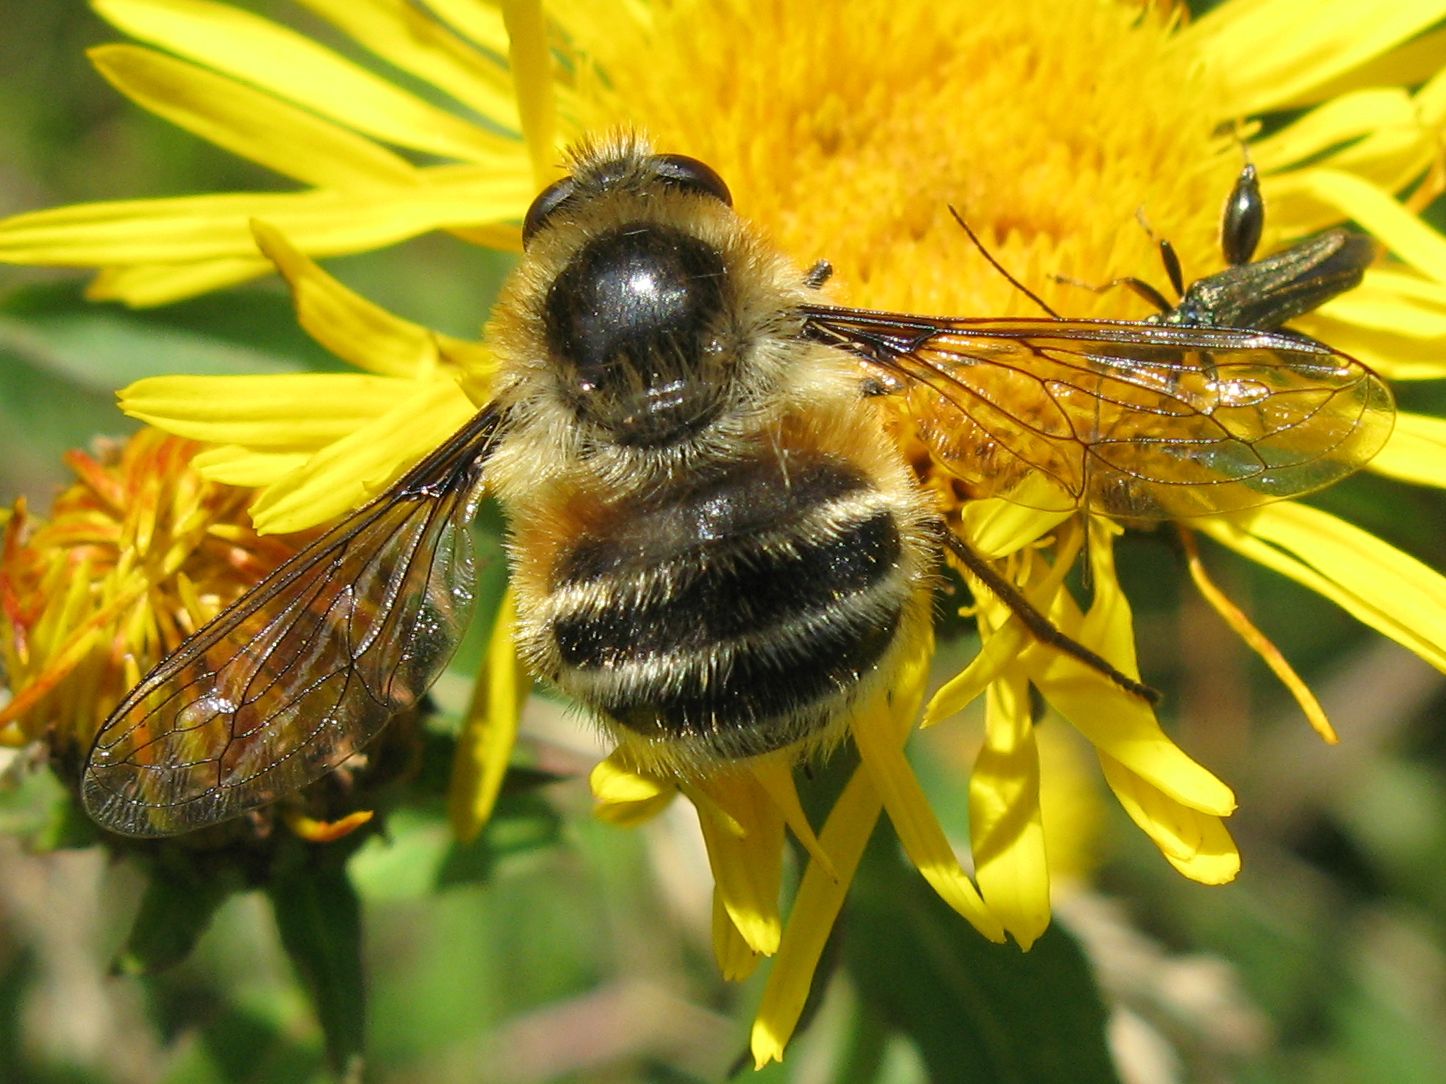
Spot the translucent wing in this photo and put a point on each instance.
(1124, 419)
(304, 669)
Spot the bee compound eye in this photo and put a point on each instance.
(684, 172)
(545, 205)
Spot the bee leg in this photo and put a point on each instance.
(818, 274)
(1040, 627)
(871, 388)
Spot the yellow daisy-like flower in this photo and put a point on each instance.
(1047, 123)
(133, 557)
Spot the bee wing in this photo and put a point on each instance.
(1124, 419)
(306, 667)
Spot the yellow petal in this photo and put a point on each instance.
(489, 730)
(158, 284)
(248, 123)
(774, 774)
(1004, 635)
(1410, 64)
(297, 68)
(747, 867)
(1116, 722)
(914, 821)
(1394, 356)
(1429, 100)
(1379, 133)
(355, 329)
(1120, 724)
(348, 471)
(822, 891)
(997, 527)
(322, 222)
(626, 797)
(1402, 311)
(816, 907)
(183, 228)
(279, 411)
(998, 653)
(1306, 47)
(1072, 804)
(406, 37)
(1311, 196)
(236, 465)
(1004, 815)
(1256, 640)
(1393, 593)
(531, 61)
(736, 960)
(1350, 116)
(478, 21)
(1195, 843)
(315, 831)
(1416, 451)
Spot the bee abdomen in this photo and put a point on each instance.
(736, 616)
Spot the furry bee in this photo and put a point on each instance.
(716, 548)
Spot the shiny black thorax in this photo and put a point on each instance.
(1267, 294)
(1263, 294)
(637, 327)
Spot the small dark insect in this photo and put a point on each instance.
(1264, 294)
(715, 545)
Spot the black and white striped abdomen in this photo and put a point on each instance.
(737, 612)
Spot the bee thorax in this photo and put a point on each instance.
(634, 325)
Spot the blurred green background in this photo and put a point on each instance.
(563, 949)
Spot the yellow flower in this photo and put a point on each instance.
(1047, 122)
(134, 556)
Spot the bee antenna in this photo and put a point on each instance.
(1025, 290)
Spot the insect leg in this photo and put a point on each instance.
(1139, 286)
(818, 274)
(1040, 627)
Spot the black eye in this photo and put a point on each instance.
(689, 173)
(548, 200)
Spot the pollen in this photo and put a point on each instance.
(1052, 129)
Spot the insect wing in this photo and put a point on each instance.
(304, 669)
(1125, 419)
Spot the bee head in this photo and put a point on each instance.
(637, 320)
(627, 168)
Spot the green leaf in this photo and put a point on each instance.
(236, 1044)
(523, 823)
(418, 854)
(62, 360)
(976, 1011)
(103, 346)
(179, 902)
(318, 917)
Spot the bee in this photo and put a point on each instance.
(716, 549)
